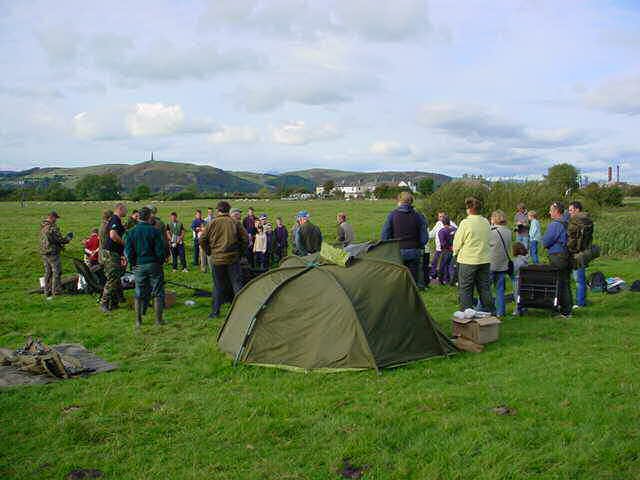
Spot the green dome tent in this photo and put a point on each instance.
(312, 315)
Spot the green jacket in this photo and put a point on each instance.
(224, 239)
(144, 244)
(51, 240)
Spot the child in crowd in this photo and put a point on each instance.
(91, 248)
(445, 235)
(535, 235)
(260, 246)
(520, 259)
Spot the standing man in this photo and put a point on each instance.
(346, 236)
(471, 246)
(249, 224)
(144, 249)
(267, 228)
(223, 240)
(281, 239)
(410, 227)
(434, 233)
(175, 236)
(308, 236)
(555, 241)
(521, 222)
(196, 225)
(114, 260)
(51, 244)
(579, 239)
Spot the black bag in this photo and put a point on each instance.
(635, 286)
(598, 282)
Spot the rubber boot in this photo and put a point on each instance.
(138, 302)
(158, 308)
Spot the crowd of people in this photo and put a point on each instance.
(475, 255)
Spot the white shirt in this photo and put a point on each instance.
(434, 232)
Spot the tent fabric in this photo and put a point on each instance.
(313, 315)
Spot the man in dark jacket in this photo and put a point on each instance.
(410, 227)
(579, 238)
(114, 261)
(51, 244)
(144, 249)
(308, 237)
(224, 239)
(555, 241)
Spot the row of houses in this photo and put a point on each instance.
(361, 190)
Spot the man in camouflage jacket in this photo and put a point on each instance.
(51, 244)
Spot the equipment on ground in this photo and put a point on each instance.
(313, 315)
(538, 287)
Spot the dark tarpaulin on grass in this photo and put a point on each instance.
(11, 376)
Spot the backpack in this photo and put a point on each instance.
(635, 286)
(598, 282)
(580, 241)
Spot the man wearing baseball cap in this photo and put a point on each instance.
(308, 237)
(51, 244)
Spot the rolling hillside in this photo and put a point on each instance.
(175, 176)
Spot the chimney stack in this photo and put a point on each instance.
(609, 174)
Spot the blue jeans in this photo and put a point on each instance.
(533, 252)
(523, 239)
(498, 279)
(581, 287)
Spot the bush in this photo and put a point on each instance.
(499, 195)
(603, 195)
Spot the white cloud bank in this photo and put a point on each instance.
(299, 133)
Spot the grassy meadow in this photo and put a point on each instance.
(177, 409)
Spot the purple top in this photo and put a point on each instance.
(445, 235)
(281, 235)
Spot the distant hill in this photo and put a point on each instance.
(176, 176)
(159, 176)
(321, 175)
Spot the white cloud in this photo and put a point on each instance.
(235, 134)
(299, 133)
(154, 119)
(138, 120)
(390, 149)
(618, 95)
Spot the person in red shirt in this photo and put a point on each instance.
(91, 248)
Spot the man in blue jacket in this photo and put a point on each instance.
(410, 227)
(555, 241)
(144, 249)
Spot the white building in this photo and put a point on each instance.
(350, 190)
(408, 184)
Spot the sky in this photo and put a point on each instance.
(493, 88)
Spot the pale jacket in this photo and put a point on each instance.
(471, 242)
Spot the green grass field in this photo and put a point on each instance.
(177, 409)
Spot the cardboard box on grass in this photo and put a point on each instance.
(479, 330)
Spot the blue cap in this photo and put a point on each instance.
(302, 214)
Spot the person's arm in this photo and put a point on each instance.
(341, 235)
(424, 231)
(129, 249)
(115, 237)
(243, 238)
(434, 231)
(299, 245)
(158, 245)
(204, 239)
(551, 236)
(387, 229)
(458, 238)
(181, 236)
